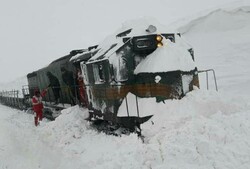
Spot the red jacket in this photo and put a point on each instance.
(37, 102)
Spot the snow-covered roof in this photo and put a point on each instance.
(129, 29)
(139, 26)
(85, 55)
(170, 57)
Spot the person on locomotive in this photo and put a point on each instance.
(55, 85)
(38, 105)
(81, 88)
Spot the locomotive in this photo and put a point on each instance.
(111, 79)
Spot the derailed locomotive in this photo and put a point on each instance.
(136, 63)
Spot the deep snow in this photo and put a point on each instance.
(205, 129)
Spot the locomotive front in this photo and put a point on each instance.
(133, 66)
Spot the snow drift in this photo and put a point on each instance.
(221, 41)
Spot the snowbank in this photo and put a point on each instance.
(91, 149)
(67, 126)
(202, 130)
(221, 41)
(219, 20)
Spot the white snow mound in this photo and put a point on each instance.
(169, 57)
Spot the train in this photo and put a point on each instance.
(139, 61)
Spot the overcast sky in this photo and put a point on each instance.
(35, 32)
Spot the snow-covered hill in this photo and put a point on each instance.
(205, 129)
(221, 41)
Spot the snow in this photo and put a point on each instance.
(186, 80)
(204, 130)
(226, 48)
(140, 25)
(169, 57)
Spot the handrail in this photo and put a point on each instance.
(215, 81)
(127, 105)
(137, 106)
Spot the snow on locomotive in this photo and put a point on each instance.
(143, 60)
(140, 61)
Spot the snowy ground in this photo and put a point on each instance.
(204, 130)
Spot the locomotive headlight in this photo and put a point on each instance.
(159, 38)
(159, 44)
(159, 41)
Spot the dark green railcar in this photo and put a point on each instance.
(60, 77)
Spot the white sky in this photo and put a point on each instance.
(33, 33)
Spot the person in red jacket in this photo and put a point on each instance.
(38, 105)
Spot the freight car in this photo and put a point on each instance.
(61, 76)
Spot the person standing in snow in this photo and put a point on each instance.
(38, 105)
